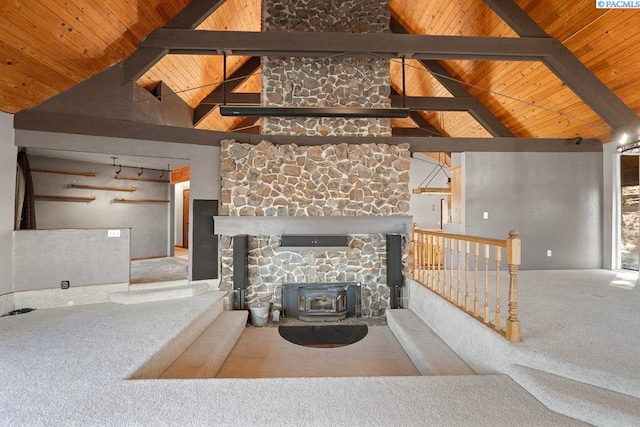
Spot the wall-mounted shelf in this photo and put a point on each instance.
(137, 178)
(65, 198)
(92, 173)
(103, 187)
(431, 190)
(125, 200)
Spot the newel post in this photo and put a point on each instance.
(513, 261)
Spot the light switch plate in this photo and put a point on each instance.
(113, 233)
(485, 215)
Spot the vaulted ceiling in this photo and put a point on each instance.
(48, 47)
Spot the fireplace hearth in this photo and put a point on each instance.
(311, 302)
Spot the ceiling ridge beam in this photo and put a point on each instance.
(580, 79)
(233, 81)
(480, 112)
(142, 59)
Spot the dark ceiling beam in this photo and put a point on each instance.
(194, 14)
(139, 62)
(86, 125)
(319, 44)
(423, 124)
(233, 81)
(481, 113)
(602, 100)
(247, 125)
(423, 103)
(419, 131)
(142, 59)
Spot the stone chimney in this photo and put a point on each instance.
(326, 82)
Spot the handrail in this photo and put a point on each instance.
(433, 267)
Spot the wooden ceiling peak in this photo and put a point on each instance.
(51, 46)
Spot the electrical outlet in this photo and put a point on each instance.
(548, 252)
(65, 284)
(113, 233)
(485, 215)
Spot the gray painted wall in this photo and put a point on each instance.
(149, 222)
(425, 209)
(204, 160)
(8, 157)
(104, 95)
(43, 258)
(553, 199)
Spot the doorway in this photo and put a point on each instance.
(185, 218)
(629, 220)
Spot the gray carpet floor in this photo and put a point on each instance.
(67, 366)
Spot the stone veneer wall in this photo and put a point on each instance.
(324, 82)
(328, 180)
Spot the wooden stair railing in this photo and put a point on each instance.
(433, 266)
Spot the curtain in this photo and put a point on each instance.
(28, 221)
(19, 197)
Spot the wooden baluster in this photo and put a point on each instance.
(486, 283)
(467, 247)
(436, 258)
(513, 260)
(440, 262)
(444, 266)
(475, 278)
(450, 295)
(416, 253)
(426, 261)
(498, 322)
(432, 261)
(459, 284)
(421, 260)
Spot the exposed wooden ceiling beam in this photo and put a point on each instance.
(193, 14)
(481, 113)
(319, 44)
(140, 61)
(312, 44)
(86, 125)
(422, 103)
(233, 81)
(570, 70)
(248, 125)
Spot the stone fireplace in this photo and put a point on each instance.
(292, 181)
(360, 182)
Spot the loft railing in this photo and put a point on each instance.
(443, 262)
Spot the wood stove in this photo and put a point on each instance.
(321, 301)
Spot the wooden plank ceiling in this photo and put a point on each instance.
(47, 47)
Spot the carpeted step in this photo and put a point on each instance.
(157, 362)
(158, 285)
(427, 351)
(204, 357)
(158, 294)
(578, 400)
